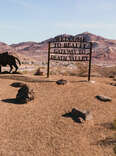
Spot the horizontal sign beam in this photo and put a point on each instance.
(69, 58)
(70, 51)
(68, 39)
(81, 45)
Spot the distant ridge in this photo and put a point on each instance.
(104, 50)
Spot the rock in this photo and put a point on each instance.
(25, 94)
(61, 82)
(111, 76)
(78, 114)
(85, 115)
(103, 98)
(17, 84)
(113, 84)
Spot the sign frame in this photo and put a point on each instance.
(74, 40)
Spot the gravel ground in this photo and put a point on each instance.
(39, 129)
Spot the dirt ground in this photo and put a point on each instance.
(39, 129)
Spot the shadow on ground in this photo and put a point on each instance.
(16, 73)
(13, 101)
(79, 81)
(6, 72)
(76, 115)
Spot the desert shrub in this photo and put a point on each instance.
(38, 72)
(114, 124)
(114, 149)
(110, 141)
(24, 72)
(53, 73)
(108, 71)
(82, 68)
(73, 73)
(114, 127)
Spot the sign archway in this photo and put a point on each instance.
(69, 49)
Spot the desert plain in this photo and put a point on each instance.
(39, 128)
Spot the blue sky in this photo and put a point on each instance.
(37, 20)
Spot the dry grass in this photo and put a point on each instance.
(114, 124)
(98, 71)
(114, 149)
(108, 71)
(82, 70)
(114, 127)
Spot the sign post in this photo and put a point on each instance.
(89, 72)
(48, 67)
(69, 49)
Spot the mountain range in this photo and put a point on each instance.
(103, 51)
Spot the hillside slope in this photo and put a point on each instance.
(104, 50)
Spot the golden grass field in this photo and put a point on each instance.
(38, 127)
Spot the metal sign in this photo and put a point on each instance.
(69, 49)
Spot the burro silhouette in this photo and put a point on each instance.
(6, 59)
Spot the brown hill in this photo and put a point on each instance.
(104, 50)
(35, 50)
(14, 51)
(5, 47)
